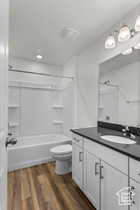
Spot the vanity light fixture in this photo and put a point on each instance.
(137, 47)
(124, 34)
(128, 52)
(39, 57)
(137, 25)
(110, 42)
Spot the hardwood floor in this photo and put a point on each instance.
(39, 188)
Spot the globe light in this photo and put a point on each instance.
(124, 34)
(110, 42)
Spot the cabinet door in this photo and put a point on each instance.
(92, 179)
(112, 182)
(77, 164)
(136, 204)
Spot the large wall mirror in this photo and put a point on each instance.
(119, 90)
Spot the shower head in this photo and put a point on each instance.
(107, 82)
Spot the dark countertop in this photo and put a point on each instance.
(94, 133)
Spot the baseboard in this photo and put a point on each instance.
(29, 164)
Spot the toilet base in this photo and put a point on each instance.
(63, 166)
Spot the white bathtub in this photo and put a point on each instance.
(34, 150)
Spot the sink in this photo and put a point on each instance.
(118, 139)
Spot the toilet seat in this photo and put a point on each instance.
(62, 149)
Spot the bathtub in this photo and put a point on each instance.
(34, 150)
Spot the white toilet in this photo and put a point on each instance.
(63, 156)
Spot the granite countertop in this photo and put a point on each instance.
(95, 133)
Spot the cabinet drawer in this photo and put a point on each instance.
(135, 169)
(78, 140)
(116, 159)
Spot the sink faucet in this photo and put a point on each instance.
(127, 132)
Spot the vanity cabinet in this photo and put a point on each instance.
(104, 175)
(77, 160)
(112, 181)
(92, 178)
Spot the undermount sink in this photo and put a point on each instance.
(118, 139)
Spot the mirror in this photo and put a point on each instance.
(119, 90)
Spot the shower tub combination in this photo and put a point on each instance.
(34, 150)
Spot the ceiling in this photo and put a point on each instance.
(36, 25)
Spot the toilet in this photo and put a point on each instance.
(63, 156)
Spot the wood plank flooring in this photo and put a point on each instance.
(39, 188)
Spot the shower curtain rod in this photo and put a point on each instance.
(37, 73)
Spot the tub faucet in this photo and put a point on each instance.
(10, 140)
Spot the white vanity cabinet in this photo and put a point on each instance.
(135, 183)
(105, 175)
(92, 178)
(102, 174)
(77, 160)
(112, 181)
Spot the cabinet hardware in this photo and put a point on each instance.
(96, 171)
(101, 175)
(80, 156)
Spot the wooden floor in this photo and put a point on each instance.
(39, 188)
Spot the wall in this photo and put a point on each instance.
(87, 83)
(27, 65)
(86, 68)
(43, 100)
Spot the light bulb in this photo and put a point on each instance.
(137, 24)
(124, 34)
(110, 42)
(39, 57)
(137, 47)
(127, 52)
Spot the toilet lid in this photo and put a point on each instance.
(62, 149)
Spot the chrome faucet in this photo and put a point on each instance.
(127, 133)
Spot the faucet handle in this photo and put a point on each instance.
(126, 128)
(123, 130)
(132, 136)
